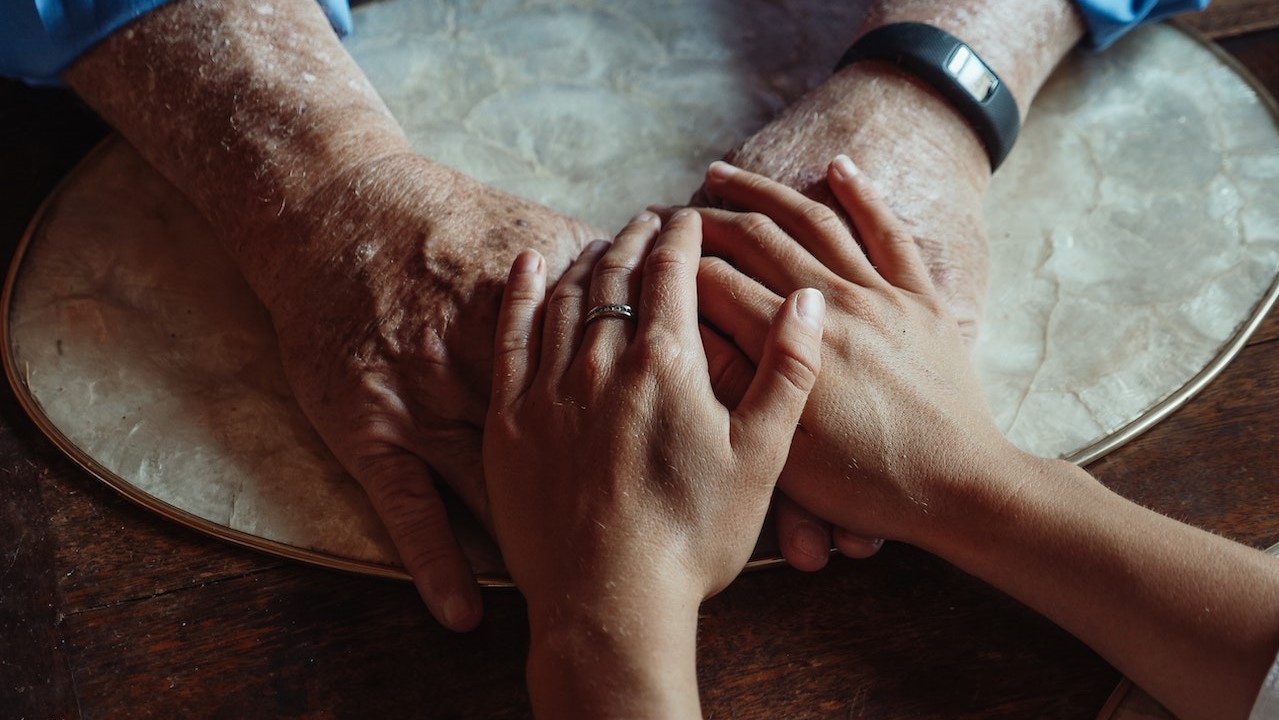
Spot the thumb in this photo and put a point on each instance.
(787, 372)
(403, 494)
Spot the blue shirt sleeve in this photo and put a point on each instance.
(40, 38)
(1108, 20)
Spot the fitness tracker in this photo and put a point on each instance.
(952, 68)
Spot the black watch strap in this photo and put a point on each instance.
(952, 68)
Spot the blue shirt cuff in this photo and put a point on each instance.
(40, 38)
(1108, 20)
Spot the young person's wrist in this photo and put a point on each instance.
(613, 655)
(1009, 497)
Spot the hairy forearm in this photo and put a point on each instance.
(1021, 41)
(248, 108)
(1189, 616)
(926, 159)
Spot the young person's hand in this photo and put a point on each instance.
(897, 420)
(622, 492)
(896, 442)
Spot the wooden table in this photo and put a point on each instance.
(109, 611)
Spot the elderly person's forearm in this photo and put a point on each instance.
(249, 109)
(380, 268)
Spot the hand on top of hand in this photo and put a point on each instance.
(897, 420)
(387, 342)
(933, 177)
(613, 471)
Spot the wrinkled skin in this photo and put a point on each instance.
(387, 342)
(381, 270)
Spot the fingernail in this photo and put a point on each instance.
(457, 612)
(528, 262)
(595, 246)
(844, 166)
(659, 209)
(811, 541)
(810, 306)
(856, 546)
(682, 214)
(720, 170)
(643, 216)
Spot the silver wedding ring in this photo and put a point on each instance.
(610, 310)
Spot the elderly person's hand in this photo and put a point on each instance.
(385, 329)
(381, 269)
(623, 493)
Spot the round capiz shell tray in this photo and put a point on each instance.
(1134, 237)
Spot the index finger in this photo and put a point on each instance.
(890, 245)
(516, 342)
(816, 227)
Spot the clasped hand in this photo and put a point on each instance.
(608, 458)
(612, 469)
(623, 492)
(897, 422)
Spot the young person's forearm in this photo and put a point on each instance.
(1191, 617)
(631, 659)
(248, 112)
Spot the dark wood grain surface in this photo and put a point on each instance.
(109, 611)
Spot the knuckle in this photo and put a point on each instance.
(822, 217)
(522, 297)
(566, 296)
(756, 182)
(796, 366)
(396, 484)
(900, 239)
(424, 540)
(410, 509)
(714, 268)
(664, 258)
(431, 353)
(756, 225)
(596, 365)
(567, 291)
(848, 298)
(512, 340)
(658, 351)
(613, 268)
